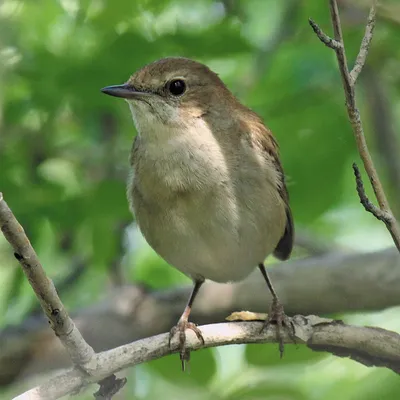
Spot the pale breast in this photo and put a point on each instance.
(207, 213)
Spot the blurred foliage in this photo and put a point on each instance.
(64, 148)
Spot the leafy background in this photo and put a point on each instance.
(64, 148)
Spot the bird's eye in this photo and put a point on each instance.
(177, 87)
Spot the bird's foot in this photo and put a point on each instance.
(180, 328)
(278, 317)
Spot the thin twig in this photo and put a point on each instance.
(323, 37)
(348, 81)
(341, 57)
(367, 345)
(80, 352)
(366, 42)
(387, 141)
(365, 201)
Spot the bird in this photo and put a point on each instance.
(206, 184)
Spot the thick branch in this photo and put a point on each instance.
(369, 346)
(348, 81)
(340, 282)
(80, 352)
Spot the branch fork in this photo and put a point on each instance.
(349, 79)
(81, 353)
(367, 345)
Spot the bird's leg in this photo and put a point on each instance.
(184, 324)
(277, 314)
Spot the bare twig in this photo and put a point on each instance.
(323, 37)
(341, 57)
(365, 201)
(367, 345)
(348, 80)
(381, 113)
(80, 352)
(362, 54)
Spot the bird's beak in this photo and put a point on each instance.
(125, 91)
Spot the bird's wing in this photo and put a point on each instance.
(270, 145)
(285, 245)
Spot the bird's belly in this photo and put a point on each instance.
(219, 256)
(218, 238)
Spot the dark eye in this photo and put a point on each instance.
(177, 87)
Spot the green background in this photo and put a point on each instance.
(64, 157)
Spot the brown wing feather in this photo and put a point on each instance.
(285, 245)
(267, 141)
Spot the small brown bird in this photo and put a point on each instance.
(207, 187)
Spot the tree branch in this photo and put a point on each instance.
(365, 43)
(348, 81)
(80, 352)
(369, 346)
(109, 387)
(365, 201)
(381, 112)
(323, 37)
(340, 282)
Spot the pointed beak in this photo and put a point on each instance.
(124, 91)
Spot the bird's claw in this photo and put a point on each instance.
(278, 317)
(181, 328)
